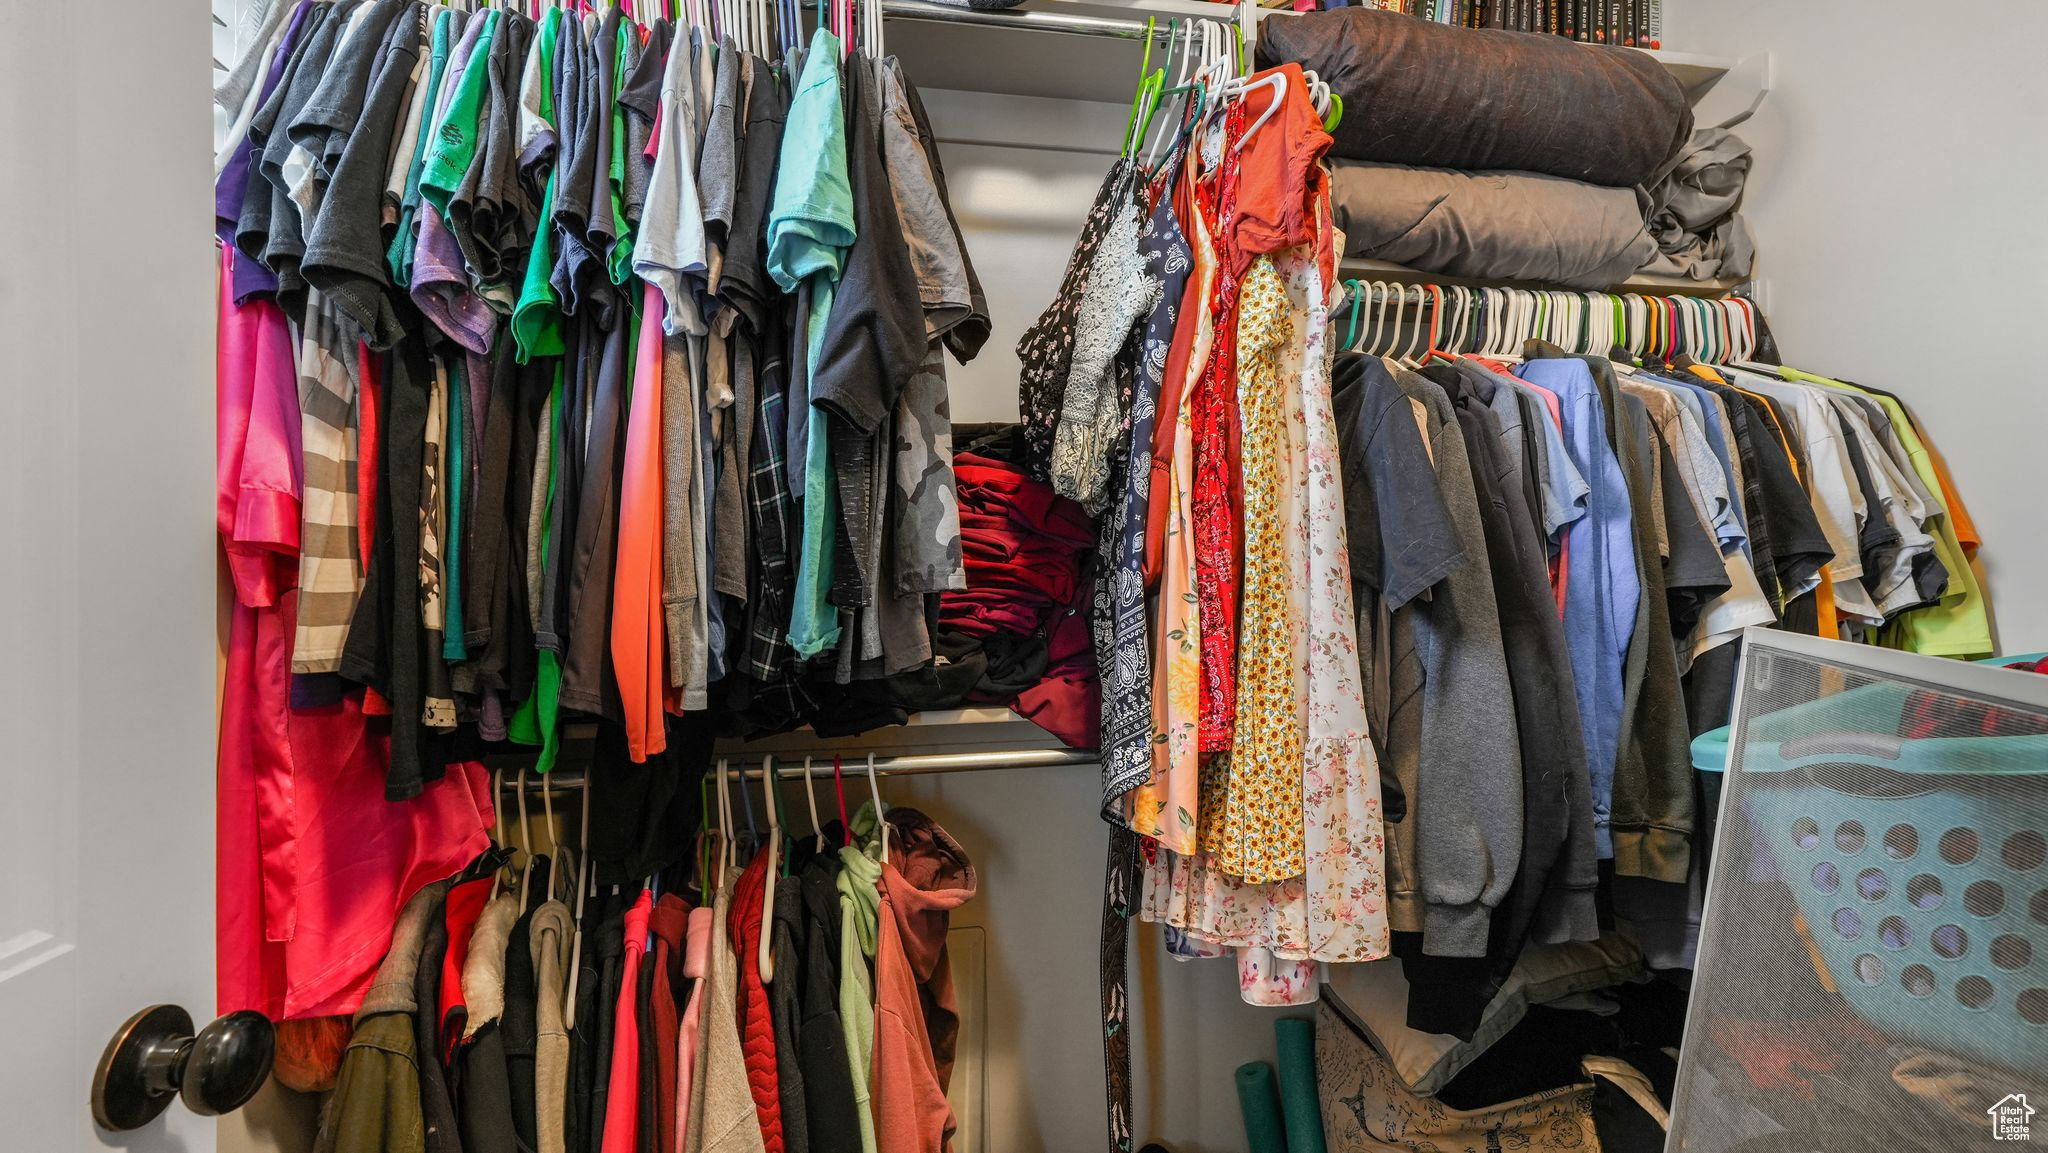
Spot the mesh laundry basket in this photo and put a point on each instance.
(1882, 897)
(1917, 864)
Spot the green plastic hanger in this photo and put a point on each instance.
(1145, 85)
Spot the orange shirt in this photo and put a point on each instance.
(1279, 173)
(638, 637)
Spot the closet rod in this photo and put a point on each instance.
(790, 767)
(1033, 21)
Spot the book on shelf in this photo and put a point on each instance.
(1625, 23)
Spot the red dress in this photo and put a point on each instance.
(1213, 414)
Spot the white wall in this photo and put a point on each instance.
(1897, 205)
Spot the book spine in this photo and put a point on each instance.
(1654, 25)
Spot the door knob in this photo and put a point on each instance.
(156, 1056)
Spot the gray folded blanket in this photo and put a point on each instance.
(1490, 225)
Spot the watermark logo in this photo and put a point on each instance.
(2012, 1119)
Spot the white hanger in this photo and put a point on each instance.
(764, 954)
(497, 828)
(728, 846)
(811, 798)
(547, 812)
(1380, 290)
(1400, 312)
(1277, 81)
(583, 871)
(881, 811)
(1418, 343)
(525, 840)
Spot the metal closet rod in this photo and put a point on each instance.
(1034, 21)
(791, 767)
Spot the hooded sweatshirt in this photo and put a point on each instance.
(670, 918)
(859, 908)
(830, 1107)
(722, 1115)
(785, 1006)
(756, 1025)
(484, 1102)
(690, 1031)
(926, 876)
(376, 1103)
(549, 937)
(622, 1118)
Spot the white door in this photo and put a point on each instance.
(106, 551)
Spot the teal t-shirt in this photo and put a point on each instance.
(810, 228)
(456, 136)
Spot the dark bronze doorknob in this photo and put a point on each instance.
(155, 1056)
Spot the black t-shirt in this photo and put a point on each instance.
(1694, 573)
(875, 337)
(745, 282)
(1398, 528)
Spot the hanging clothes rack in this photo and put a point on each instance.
(791, 768)
(1033, 20)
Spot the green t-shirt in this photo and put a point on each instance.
(537, 317)
(619, 261)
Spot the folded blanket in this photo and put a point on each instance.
(1418, 92)
(1692, 210)
(1490, 225)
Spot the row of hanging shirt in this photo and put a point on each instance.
(603, 357)
(1394, 654)
(804, 1002)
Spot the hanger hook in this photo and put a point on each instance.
(881, 810)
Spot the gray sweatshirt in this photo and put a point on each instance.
(1467, 808)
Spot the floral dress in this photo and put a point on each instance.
(1047, 347)
(1262, 818)
(1165, 807)
(1335, 911)
(1214, 415)
(1122, 652)
(1344, 834)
